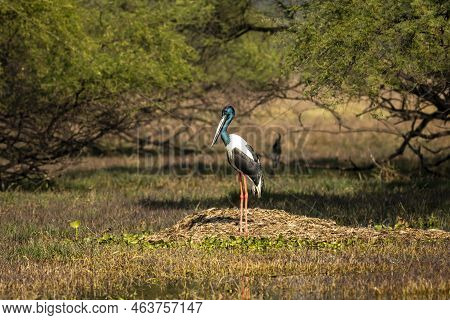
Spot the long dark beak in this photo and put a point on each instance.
(219, 129)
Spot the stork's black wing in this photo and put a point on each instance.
(248, 166)
(254, 154)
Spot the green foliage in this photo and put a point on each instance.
(358, 47)
(230, 55)
(71, 72)
(130, 239)
(102, 46)
(138, 46)
(262, 243)
(43, 46)
(252, 61)
(231, 243)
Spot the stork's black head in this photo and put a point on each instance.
(228, 111)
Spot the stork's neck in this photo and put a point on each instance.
(224, 134)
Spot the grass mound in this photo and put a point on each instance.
(275, 224)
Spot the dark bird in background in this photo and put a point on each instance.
(276, 152)
(243, 159)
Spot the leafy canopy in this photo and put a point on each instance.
(104, 46)
(70, 72)
(357, 47)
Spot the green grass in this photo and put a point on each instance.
(117, 207)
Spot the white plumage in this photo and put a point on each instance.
(237, 142)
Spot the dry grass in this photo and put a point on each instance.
(386, 271)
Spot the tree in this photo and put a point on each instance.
(239, 60)
(71, 72)
(396, 53)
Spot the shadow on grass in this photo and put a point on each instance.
(185, 167)
(420, 204)
(178, 169)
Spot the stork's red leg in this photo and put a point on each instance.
(242, 200)
(244, 179)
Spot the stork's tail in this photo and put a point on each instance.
(258, 186)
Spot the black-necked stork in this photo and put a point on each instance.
(242, 158)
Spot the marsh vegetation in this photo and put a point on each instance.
(119, 209)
